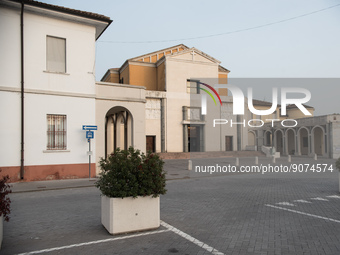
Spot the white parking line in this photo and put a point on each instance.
(319, 199)
(333, 196)
(302, 201)
(94, 242)
(191, 239)
(303, 213)
(285, 203)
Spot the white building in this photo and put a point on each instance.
(50, 51)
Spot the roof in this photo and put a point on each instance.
(262, 103)
(100, 22)
(182, 46)
(291, 106)
(85, 14)
(223, 69)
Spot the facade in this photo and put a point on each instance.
(47, 89)
(174, 122)
(311, 136)
(153, 102)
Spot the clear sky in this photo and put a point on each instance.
(301, 47)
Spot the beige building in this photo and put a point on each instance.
(173, 117)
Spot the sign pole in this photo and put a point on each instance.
(89, 158)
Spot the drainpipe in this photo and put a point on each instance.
(22, 90)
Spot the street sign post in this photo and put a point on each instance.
(89, 136)
(89, 127)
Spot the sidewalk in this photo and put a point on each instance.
(20, 187)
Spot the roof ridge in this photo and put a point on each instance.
(65, 9)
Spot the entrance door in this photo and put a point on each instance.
(194, 136)
(151, 143)
(228, 143)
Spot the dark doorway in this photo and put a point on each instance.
(151, 143)
(194, 136)
(229, 143)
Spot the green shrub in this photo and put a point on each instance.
(129, 173)
(5, 201)
(337, 164)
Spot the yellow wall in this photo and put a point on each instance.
(114, 77)
(223, 79)
(143, 76)
(125, 75)
(161, 77)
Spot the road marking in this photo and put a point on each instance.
(191, 239)
(94, 242)
(302, 201)
(319, 199)
(333, 196)
(285, 203)
(303, 213)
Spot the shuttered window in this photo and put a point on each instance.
(56, 54)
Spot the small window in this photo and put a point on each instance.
(193, 87)
(56, 132)
(55, 54)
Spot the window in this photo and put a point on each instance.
(56, 132)
(55, 54)
(193, 87)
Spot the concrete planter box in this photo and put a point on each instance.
(130, 214)
(1, 229)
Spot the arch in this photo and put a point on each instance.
(290, 141)
(118, 129)
(251, 138)
(318, 138)
(268, 138)
(278, 140)
(303, 141)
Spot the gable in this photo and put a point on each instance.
(194, 55)
(153, 57)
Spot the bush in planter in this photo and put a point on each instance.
(337, 164)
(5, 201)
(129, 173)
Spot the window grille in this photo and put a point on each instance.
(56, 132)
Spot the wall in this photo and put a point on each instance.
(72, 94)
(109, 95)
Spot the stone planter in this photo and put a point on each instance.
(1, 229)
(122, 215)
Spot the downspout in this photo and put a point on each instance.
(22, 90)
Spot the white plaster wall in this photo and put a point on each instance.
(177, 73)
(79, 111)
(80, 55)
(130, 97)
(9, 48)
(10, 129)
(39, 85)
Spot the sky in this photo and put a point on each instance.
(253, 39)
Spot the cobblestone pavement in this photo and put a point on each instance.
(202, 213)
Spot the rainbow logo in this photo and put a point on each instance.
(208, 92)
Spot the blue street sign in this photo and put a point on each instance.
(89, 134)
(89, 127)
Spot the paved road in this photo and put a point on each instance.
(252, 213)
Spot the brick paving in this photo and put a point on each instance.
(231, 213)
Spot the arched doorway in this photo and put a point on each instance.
(290, 142)
(118, 129)
(303, 141)
(268, 138)
(318, 138)
(279, 141)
